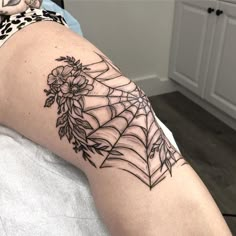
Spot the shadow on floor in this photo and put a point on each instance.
(207, 144)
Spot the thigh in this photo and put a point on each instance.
(31, 56)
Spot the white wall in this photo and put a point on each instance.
(136, 35)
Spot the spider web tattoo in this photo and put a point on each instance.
(109, 120)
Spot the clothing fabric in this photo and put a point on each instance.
(12, 24)
(73, 23)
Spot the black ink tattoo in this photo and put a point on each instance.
(109, 120)
(9, 3)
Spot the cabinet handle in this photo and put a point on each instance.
(219, 12)
(210, 10)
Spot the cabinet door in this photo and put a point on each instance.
(191, 41)
(221, 84)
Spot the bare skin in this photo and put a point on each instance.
(129, 198)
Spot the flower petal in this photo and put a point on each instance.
(58, 70)
(76, 80)
(83, 92)
(89, 87)
(60, 94)
(66, 70)
(65, 88)
(59, 81)
(51, 79)
(54, 72)
(66, 95)
(81, 80)
(70, 80)
(83, 86)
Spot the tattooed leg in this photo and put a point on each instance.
(64, 96)
(119, 124)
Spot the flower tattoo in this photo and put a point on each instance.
(59, 75)
(75, 86)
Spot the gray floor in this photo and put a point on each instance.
(208, 145)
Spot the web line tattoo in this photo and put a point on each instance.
(109, 120)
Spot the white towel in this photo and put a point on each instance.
(41, 194)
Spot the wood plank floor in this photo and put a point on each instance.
(208, 145)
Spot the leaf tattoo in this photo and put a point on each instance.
(109, 120)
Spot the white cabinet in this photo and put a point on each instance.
(193, 30)
(221, 83)
(203, 51)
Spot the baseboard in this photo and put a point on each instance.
(208, 107)
(154, 85)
